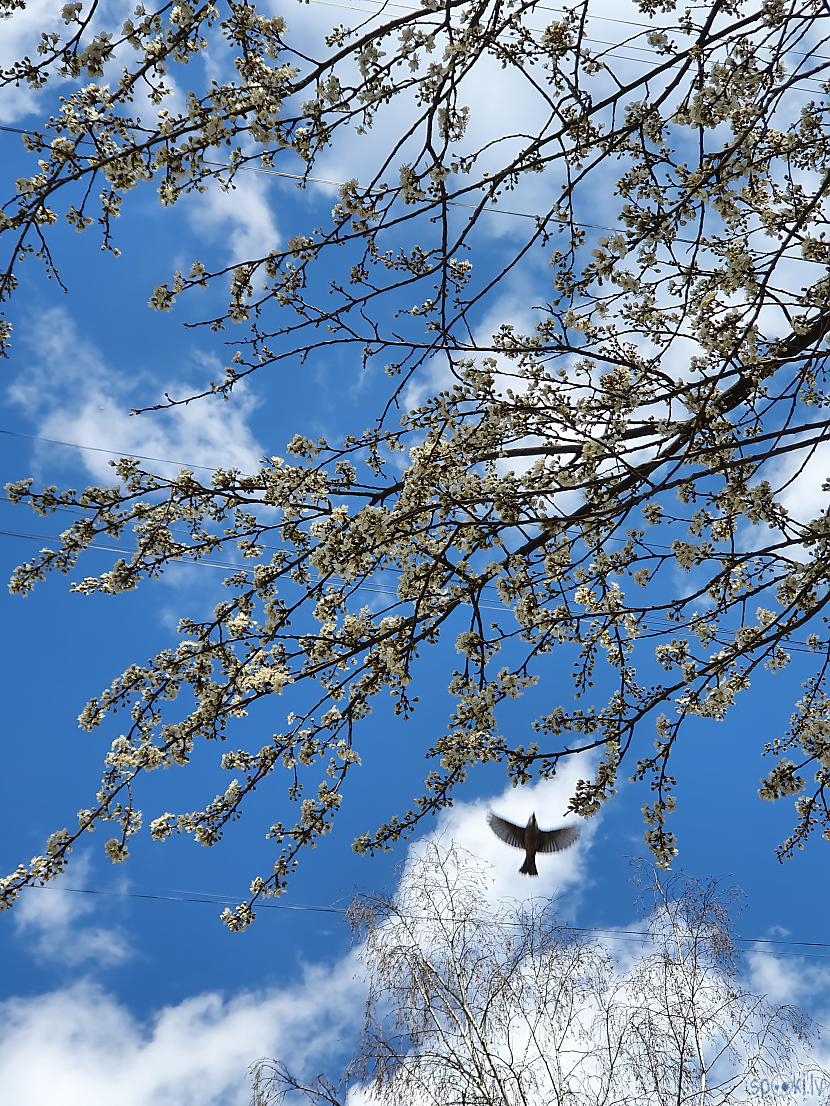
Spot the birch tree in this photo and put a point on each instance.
(496, 1005)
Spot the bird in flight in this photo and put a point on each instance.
(532, 839)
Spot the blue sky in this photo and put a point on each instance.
(155, 992)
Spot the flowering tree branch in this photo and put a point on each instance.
(532, 488)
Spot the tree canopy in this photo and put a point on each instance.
(534, 481)
(500, 1005)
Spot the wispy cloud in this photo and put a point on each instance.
(242, 216)
(82, 1046)
(512, 309)
(197, 1052)
(790, 979)
(466, 825)
(70, 393)
(19, 38)
(57, 925)
(799, 479)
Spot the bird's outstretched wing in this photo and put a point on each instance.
(506, 831)
(554, 841)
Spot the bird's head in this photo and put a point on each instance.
(532, 819)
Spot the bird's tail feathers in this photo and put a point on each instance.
(529, 867)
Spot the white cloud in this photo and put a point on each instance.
(628, 1010)
(71, 394)
(241, 215)
(19, 38)
(804, 984)
(513, 309)
(506, 108)
(773, 977)
(82, 1047)
(55, 924)
(796, 479)
(800, 476)
(360, 154)
(466, 825)
(197, 1052)
(787, 979)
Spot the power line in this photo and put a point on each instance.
(590, 17)
(383, 4)
(509, 35)
(329, 182)
(492, 210)
(210, 898)
(21, 130)
(487, 209)
(206, 898)
(565, 11)
(111, 452)
(457, 203)
(225, 566)
(655, 624)
(795, 645)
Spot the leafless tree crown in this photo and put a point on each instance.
(472, 1004)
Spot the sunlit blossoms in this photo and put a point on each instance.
(594, 502)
